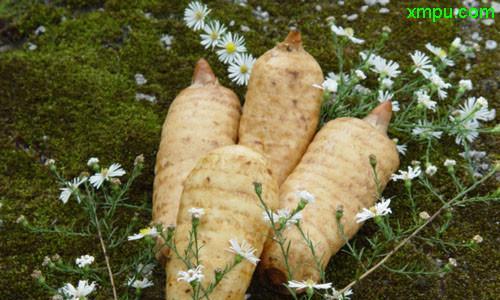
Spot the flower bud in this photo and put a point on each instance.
(258, 188)
(139, 161)
(339, 213)
(373, 160)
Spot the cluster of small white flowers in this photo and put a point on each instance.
(230, 47)
(84, 260)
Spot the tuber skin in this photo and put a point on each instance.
(222, 183)
(281, 110)
(202, 117)
(336, 169)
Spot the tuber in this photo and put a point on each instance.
(202, 117)
(281, 110)
(222, 184)
(338, 169)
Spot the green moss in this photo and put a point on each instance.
(74, 97)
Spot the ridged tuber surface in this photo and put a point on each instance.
(281, 110)
(222, 184)
(336, 169)
(202, 117)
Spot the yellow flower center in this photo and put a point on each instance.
(230, 47)
(243, 69)
(145, 231)
(310, 283)
(349, 31)
(442, 53)
(214, 35)
(198, 15)
(373, 210)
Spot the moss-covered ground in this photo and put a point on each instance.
(74, 97)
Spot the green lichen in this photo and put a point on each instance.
(74, 97)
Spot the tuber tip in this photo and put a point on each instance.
(203, 74)
(294, 37)
(380, 116)
(293, 41)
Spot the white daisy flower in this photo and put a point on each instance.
(140, 79)
(84, 260)
(360, 74)
(450, 163)
(40, 30)
(424, 130)
(308, 284)
(431, 169)
(78, 293)
(369, 58)
(348, 33)
(213, 32)
(166, 40)
(476, 109)
(407, 175)
(244, 250)
(452, 262)
(424, 215)
(385, 68)
(149, 98)
(421, 61)
(330, 85)
(281, 215)
(71, 187)
(379, 209)
(490, 45)
(148, 231)
(386, 83)
(196, 212)
(32, 47)
(194, 15)
(229, 46)
(478, 239)
(440, 53)
(306, 196)
(191, 275)
(387, 96)
(106, 174)
(139, 284)
(92, 161)
(465, 84)
(438, 83)
(466, 131)
(241, 68)
(424, 99)
(401, 148)
(337, 295)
